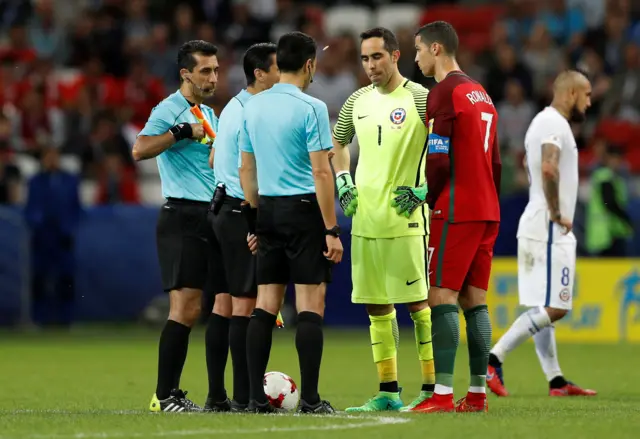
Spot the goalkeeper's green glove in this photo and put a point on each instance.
(408, 199)
(347, 193)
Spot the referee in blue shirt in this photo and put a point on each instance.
(285, 174)
(187, 248)
(232, 230)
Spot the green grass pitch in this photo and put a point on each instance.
(97, 383)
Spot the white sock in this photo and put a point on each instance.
(526, 325)
(477, 389)
(443, 390)
(547, 352)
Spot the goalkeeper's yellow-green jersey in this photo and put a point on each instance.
(392, 136)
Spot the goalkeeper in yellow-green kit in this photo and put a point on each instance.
(389, 246)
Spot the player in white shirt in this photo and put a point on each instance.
(546, 244)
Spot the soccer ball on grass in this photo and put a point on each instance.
(281, 390)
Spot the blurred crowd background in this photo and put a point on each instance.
(81, 76)
(78, 79)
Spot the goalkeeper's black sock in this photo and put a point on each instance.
(309, 343)
(259, 337)
(216, 341)
(172, 353)
(558, 382)
(238, 344)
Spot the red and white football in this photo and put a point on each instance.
(281, 390)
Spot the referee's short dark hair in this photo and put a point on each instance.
(440, 32)
(390, 41)
(258, 56)
(186, 59)
(294, 50)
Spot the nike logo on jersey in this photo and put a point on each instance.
(413, 282)
(424, 342)
(362, 117)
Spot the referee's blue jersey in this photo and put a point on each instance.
(282, 126)
(225, 164)
(184, 167)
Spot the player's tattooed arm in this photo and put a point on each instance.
(551, 178)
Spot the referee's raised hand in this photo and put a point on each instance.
(334, 249)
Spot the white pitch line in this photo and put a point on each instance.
(71, 412)
(364, 422)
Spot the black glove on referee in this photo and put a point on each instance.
(181, 131)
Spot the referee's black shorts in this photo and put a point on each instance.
(231, 229)
(188, 251)
(291, 241)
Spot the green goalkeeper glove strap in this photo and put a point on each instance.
(408, 199)
(347, 193)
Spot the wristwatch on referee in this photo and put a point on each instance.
(333, 231)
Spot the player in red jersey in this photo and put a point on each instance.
(463, 174)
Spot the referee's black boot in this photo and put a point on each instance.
(320, 408)
(237, 407)
(263, 407)
(177, 402)
(213, 406)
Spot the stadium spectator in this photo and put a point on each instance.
(34, 125)
(333, 83)
(594, 67)
(519, 19)
(137, 26)
(623, 98)
(515, 114)
(9, 173)
(468, 63)
(109, 41)
(609, 226)
(80, 38)
(593, 11)
(507, 66)
(52, 213)
(160, 56)
(608, 40)
(140, 92)
(17, 44)
(117, 182)
(541, 56)
(9, 81)
(45, 34)
(566, 24)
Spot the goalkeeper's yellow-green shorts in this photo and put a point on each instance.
(389, 270)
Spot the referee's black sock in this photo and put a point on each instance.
(309, 343)
(216, 341)
(238, 344)
(259, 337)
(172, 353)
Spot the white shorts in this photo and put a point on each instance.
(546, 273)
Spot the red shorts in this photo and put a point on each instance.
(460, 254)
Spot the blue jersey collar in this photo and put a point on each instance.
(286, 87)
